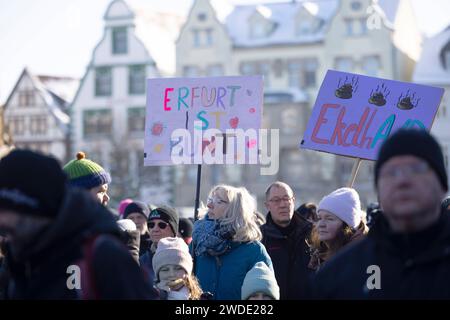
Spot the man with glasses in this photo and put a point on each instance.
(407, 252)
(162, 223)
(284, 235)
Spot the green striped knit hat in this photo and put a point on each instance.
(85, 173)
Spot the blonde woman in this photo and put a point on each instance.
(226, 242)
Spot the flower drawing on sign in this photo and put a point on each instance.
(234, 122)
(379, 95)
(346, 90)
(408, 101)
(157, 128)
(252, 110)
(158, 148)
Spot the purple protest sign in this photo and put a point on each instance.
(353, 114)
(187, 118)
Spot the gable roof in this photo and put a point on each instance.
(55, 91)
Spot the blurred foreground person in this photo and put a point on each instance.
(61, 243)
(406, 254)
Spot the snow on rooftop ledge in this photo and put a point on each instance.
(312, 7)
(264, 11)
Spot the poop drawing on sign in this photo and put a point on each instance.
(408, 101)
(346, 90)
(379, 95)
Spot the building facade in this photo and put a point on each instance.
(292, 45)
(35, 113)
(108, 111)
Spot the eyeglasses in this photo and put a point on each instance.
(408, 170)
(277, 201)
(215, 201)
(161, 225)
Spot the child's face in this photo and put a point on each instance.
(171, 272)
(260, 296)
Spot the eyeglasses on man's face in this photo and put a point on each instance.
(404, 170)
(277, 200)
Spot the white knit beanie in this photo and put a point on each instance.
(260, 279)
(345, 204)
(172, 251)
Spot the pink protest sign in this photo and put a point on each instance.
(180, 111)
(353, 114)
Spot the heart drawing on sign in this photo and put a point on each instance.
(234, 122)
(251, 143)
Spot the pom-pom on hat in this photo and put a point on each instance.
(85, 173)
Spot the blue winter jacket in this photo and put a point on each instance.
(223, 275)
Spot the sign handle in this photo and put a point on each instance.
(197, 192)
(354, 172)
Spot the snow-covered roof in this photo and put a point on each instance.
(64, 87)
(55, 104)
(283, 17)
(429, 69)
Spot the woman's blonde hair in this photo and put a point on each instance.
(193, 286)
(240, 214)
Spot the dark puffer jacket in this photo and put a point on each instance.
(290, 256)
(415, 266)
(42, 272)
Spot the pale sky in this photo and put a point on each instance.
(56, 37)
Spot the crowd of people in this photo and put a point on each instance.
(59, 240)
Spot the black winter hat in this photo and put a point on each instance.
(136, 207)
(31, 183)
(168, 215)
(415, 142)
(185, 227)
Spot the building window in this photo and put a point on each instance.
(27, 98)
(257, 68)
(356, 5)
(119, 40)
(302, 73)
(208, 37)
(344, 64)
(371, 65)
(38, 125)
(136, 119)
(355, 27)
(304, 27)
(310, 72)
(136, 79)
(103, 81)
(97, 123)
(258, 29)
(17, 126)
(196, 36)
(289, 121)
(191, 71)
(201, 16)
(215, 70)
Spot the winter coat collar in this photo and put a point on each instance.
(301, 226)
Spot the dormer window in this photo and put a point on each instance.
(119, 40)
(260, 24)
(306, 21)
